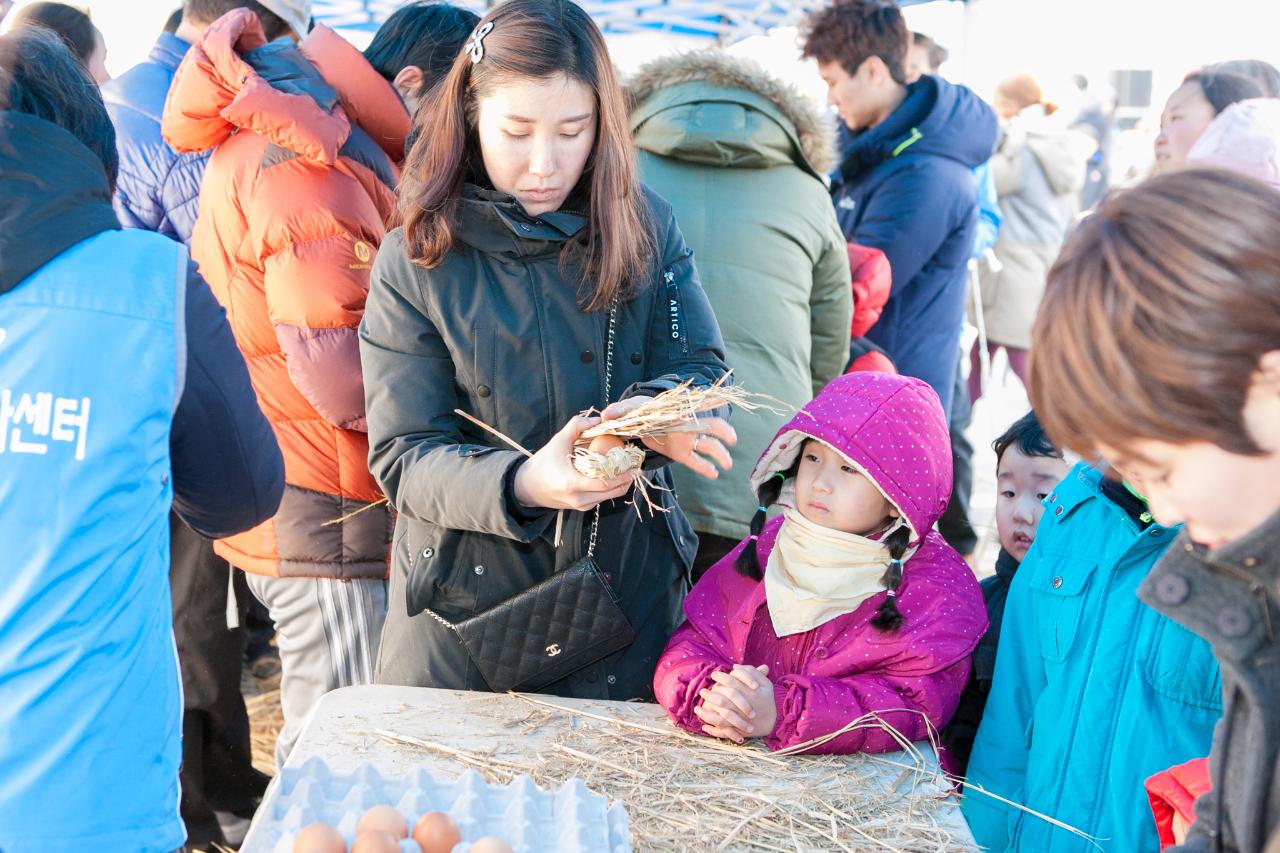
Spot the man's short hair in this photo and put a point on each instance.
(425, 34)
(1157, 313)
(937, 53)
(208, 11)
(852, 31)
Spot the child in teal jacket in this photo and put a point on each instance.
(1093, 691)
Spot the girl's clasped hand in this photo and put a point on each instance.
(740, 705)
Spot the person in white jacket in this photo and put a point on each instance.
(1039, 168)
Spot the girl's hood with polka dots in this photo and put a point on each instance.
(892, 427)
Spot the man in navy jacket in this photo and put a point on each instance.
(905, 183)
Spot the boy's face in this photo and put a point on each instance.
(1218, 494)
(1022, 482)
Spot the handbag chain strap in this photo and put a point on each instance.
(608, 393)
(608, 396)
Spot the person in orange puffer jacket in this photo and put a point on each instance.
(872, 279)
(307, 139)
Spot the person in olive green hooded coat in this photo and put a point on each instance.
(740, 157)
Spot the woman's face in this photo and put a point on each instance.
(835, 494)
(97, 61)
(1186, 115)
(536, 137)
(1006, 107)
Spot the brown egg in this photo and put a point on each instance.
(319, 838)
(602, 444)
(436, 832)
(489, 844)
(384, 819)
(375, 841)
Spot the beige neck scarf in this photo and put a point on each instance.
(815, 573)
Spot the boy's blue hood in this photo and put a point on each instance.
(937, 118)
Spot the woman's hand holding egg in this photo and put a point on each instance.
(691, 448)
(548, 478)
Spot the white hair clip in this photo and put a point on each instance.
(475, 47)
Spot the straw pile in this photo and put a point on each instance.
(265, 721)
(691, 793)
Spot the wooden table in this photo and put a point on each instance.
(396, 729)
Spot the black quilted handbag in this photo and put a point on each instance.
(550, 631)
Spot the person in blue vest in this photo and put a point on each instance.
(122, 393)
(905, 183)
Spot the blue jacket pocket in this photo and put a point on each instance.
(1060, 587)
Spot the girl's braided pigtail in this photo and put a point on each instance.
(748, 563)
(888, 617)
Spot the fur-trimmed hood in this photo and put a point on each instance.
(791, 127)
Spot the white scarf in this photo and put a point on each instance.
(815, 573)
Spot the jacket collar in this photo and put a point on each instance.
(1006, 566)
(863, 151)
(496, 224)
(53, 194)
(369, 100)
(302, 98)
(1254, 553)
(1081, 484)
(168, 51)
(937, 119)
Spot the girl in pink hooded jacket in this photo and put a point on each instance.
(860, 606)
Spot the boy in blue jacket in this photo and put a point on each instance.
(1158, 344)
(1093, 691)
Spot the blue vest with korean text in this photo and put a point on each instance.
(91, 367)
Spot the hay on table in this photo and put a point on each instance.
(690, 793)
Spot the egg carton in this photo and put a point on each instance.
(570, 819)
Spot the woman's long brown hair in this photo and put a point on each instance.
(532, 39)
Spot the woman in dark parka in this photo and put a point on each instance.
(522, 225)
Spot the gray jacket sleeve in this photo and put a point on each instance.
(418, 453)
(830, 308)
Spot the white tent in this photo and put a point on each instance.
(723, 20)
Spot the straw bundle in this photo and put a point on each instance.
(614, 462)
(689, 793)
(675, 410)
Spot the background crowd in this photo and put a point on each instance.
(245, 286)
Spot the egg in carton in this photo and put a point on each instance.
(570, 819)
